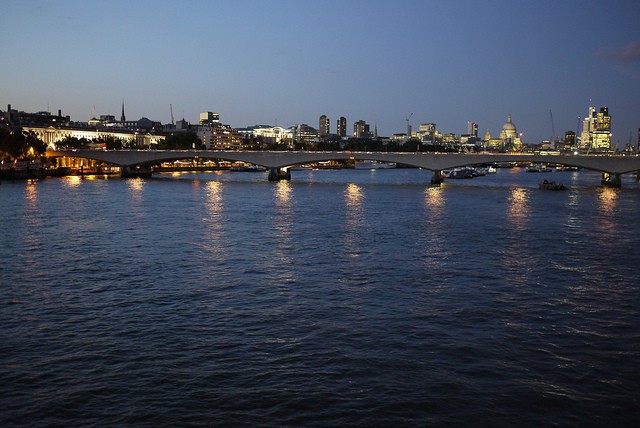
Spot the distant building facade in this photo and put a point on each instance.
(361, 129)
(324, 125)
(596, 130)
(341, 127)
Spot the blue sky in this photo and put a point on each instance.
(258, 62)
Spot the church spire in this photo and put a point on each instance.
(122, 118)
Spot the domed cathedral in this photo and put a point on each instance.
(509, 139)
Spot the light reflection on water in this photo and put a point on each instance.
(214, 204)
(433, 235)
(517, 257)
(323, 308)
(283, 219)
(354, 219)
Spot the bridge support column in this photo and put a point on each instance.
(135, 171)
(436, 178)
(277, 174)
(611, 179)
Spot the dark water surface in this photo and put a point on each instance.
(342, 298)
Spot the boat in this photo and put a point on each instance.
(567, 168)
(538, 168)
(371, 164)
(462, 173)
(551, 185)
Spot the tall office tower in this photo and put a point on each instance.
(342, 126)
(638, 139)
(588, 127)
(601, 135)
(472, 129)
(603, 120)
(325, 126)
(361, 129)
(122, 117)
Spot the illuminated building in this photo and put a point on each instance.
(569, 139)
(342, 126)
(472, 129)
(361, 129)
(509, 136)
(304, 134)
(51, 135)
(209, 118)
(427, 132)
(596, 130)
(325, 126)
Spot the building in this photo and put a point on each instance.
(304, 134)
(341, 126)
(51, 135)
(361, 129)
(427, 133)
(509, 136)
(472, 129)
(209, 118)
(267, 136)
(570, 141)
(596, 130)
(324, 126)
(21, 119)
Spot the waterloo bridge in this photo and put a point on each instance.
(135, 163)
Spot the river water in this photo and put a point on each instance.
(340, 298)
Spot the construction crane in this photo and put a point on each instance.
(408, 126)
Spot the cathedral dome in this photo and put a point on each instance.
(509, 129)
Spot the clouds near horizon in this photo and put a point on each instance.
(627, 53)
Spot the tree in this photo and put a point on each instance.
(71, 143)
(181, 141)
(16, 144)
(111, 142)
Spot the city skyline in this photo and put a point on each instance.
(286, 63)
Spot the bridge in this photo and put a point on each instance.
(140, 162)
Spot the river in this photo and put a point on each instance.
(339, 298)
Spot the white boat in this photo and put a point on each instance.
(371, 164)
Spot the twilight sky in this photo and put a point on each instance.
(268, 61)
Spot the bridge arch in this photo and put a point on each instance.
(282, 161)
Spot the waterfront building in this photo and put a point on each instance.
(341, 128)
(325, 125)
(51, 135)
(267, 135)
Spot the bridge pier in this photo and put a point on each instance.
(277, 174)
(135, 171)
(611, 179)
(436, 178)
